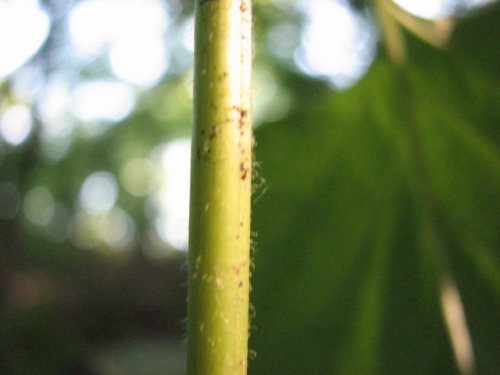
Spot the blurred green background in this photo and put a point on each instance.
(377, 187)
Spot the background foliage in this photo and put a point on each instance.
(369, 200)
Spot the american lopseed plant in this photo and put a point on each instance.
(221, 187)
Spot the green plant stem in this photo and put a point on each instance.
(219, 228)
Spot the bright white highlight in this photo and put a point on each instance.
(133, 30)
(172, 221)
(16, 124)
(23, 29)
(98, 193)
(138, 61)
(337, 43)
(102, 100)
(188, 35)
(427, 8)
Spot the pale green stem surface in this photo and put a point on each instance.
(219, 228)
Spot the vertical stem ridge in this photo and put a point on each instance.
(218, 289)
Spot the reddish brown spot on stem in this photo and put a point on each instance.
(243, 170)
(243, 116)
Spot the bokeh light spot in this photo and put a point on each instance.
(24, 26)
(137, 176)
(283, 39)
(337, 43)
(16, 124)
(99, 192)
(141, 62)
(39, 206)
(270, 101)
(132, 30)
(95, 23)
(53, 109)
(172, 220)
(117, 229)
(102, 101)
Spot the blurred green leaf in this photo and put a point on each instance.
(372, 196)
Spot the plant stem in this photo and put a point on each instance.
(219, 228)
